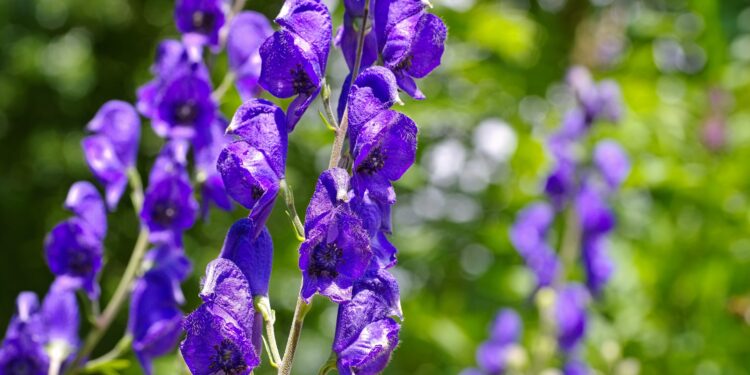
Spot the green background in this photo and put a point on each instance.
(679, 302)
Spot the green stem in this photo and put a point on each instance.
(325, 96)
(570, 244)
(122, 347)
(329, 366)
(123, 288)
(224, 86)
(263, 305)
(291, 210)
(291, 344)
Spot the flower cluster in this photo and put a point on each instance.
(494, 354)
(578, 189)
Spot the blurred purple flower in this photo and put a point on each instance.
(528, 235)
(246, 34)
(612, 162)
(203, 18)
(570, 315)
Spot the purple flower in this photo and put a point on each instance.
(384, 149)
(602, 101)
(74, 250)
(26, 322)
(106, 166)
(169, 207)
(204, 18)
(262, 125)
(492, 355)
(331, 191)
(249, 179)
(170, 260)
(251, 249)
(335, 254)
(413, 49)
(570, 315)
(612, 162)
(597, 263)
(374, 91)
(223, 334)
(61, 319)
(593, 212)
(155, 317)
(85, 202)
(347, 36)
(184, 107)
(576, 367)
(366, 334)
(247, 32)
(376, 221)
(294, 58)
(23, 356)
(561, 182)
(528, 236)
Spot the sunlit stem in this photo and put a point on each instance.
(300, 311)
(122, 347)
(299, 229)
(224, 86)
(325, 96)
(125, 285)
(263, 305)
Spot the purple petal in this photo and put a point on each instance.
(263, 125)
(570, 315)
(388, 13)
(23, 356)
(375, 90)
(289, 66)
(530, 227)
(246, 34)
(200, 17)
(61, 316)
(73, 250)
(85, 202)
(330, 191)
(386, 146)
(597, 263)
(370, 353)
(415, 45)
(185, 107)
(348, 38)
(310, 20)
(492, 357)
(612, 162)
(251, 249)
(593, 212)
(226, 287)
(169, 207)
(118, 121)
(106, 166)
(506, 329)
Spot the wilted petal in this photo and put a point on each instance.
(251, 249)
(85, 202)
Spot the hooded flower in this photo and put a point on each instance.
(374, 91)
(529, 237)
(247, 32)
(203, 18)
(593, 211)
(570, 315)
(61, 319)
(112, 148)
(74, 247)
(184, 107)
(596, 263)
(366, 332)
(223, 334)
(23, 356)
(294, 58)
(253, 166)
(335, 254)
(251, 250)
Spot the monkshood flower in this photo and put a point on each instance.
(223, 334)
(570, 316)
(347, 37)
(576, 367)
(366, 331)
(155, 317)
(23, 356)
(203, 18)
(492, 355)
(73, 248)
(294, 58)
(253, 166)
(184, 106)
(529, 236)
(61, 319)
(596, 263)
(253, 254)
(112, 148)
(598, 101)
(374, 91)
(612, 162)
(206, 154)
(169, 207)
(246, 33)
(411, 41)
(26, 322)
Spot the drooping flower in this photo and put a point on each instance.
(26, 322)
(85, 202)
(366, 332)
(374, 91)
(593, 212)
(184, 107)
(528, 236)
(262, 124)
(335, 254)
(112, 148)
(203, 18)
(570, 316)
(23, 356)
(294, 58)
(61, 319)
(223, 334)
(206, 154)
(347, 37)
(246, 34)
(331, 191)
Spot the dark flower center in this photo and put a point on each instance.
(78, 261)
(186, 113)
(227, 358)
(164, 213)
(22, 365)
(404, 64)
(300, 80)
(256, 192)
(325, 259)
(373, 163)
(203, 22)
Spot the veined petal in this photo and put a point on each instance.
(251, 249)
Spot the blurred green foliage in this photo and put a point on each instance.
(680, 300)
